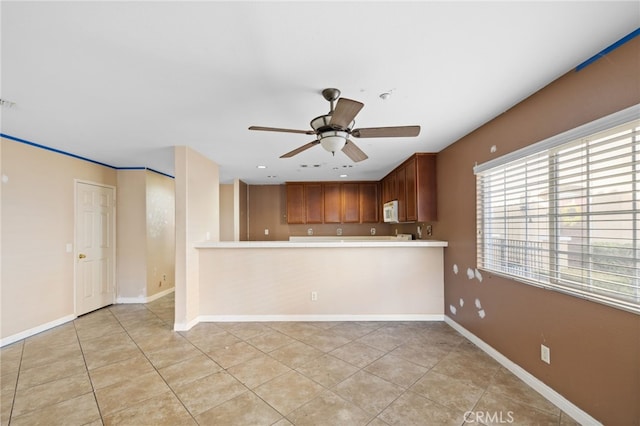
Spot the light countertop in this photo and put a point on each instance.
(320, 244)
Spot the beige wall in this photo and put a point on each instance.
(374, 281)
(161, 233)
(38, 208)
(131, 247)
(243, 210)
(227, 203)
(595, 349)
(233, 211)
(145, 235)
(197, 191)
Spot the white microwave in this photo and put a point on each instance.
(390, 211)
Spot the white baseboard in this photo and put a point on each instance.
(35, 330)
(307, 318)
(143, 299)
(130, 300)
(317, 318)
(560, 401)
(161, 294)
(185, 326)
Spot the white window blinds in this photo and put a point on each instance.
(567, 216)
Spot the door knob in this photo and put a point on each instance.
(82, 256)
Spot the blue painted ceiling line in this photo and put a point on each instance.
(37, 145)
(609, 49)
(159, 172)
(58, 151)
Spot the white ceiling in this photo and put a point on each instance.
(123, 82)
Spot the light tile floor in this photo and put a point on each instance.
(124, 365)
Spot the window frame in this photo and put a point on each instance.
(551, 148)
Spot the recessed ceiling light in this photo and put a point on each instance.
(261, 167)
(343, 176)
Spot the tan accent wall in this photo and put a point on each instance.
(595, 349)
(197, 191)
(348, 281)
(267, 208)
(38, 206)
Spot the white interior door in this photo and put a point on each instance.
(95, 247)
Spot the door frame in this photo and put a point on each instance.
(75, 239)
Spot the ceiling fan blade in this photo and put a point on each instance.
(386, 132)
(345, 112)
(352, 151)
(277, 129)
(300, 149)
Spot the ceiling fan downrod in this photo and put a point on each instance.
(331, 95)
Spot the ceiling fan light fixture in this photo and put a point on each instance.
(333, 140)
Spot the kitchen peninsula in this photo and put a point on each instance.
(321, 280)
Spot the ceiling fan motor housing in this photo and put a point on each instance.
(323, 123)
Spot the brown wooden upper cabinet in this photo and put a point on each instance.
(370, 205)
(305, 203)
(295, 203)
(413, 184)
(313, 203)
(333, 202)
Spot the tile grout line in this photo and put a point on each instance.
(15, 390)
(84, 360)
(151, 363)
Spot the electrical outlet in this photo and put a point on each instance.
(429, 230)
(310, 231)
(545, 354)
(373, 231)
(266, 231)
(339, 231)
(314, 296)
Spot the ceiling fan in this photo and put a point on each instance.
(333, 129)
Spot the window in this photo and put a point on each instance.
(565, 213)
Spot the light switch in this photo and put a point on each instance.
(69, 248)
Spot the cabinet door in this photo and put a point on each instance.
(401, 193)
(295, 203)
(385, 189)
(332, 202)
(313, 203)
(350, 203)
(411, 190)
(427, 198)
(369, 203)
